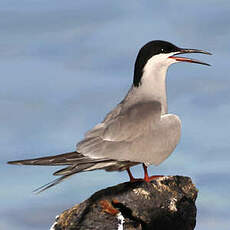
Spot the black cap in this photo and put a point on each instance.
(146, 52)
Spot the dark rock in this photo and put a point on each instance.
(166, 203)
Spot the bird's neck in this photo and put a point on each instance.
(151, 88)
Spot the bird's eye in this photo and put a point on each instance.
(162, 50)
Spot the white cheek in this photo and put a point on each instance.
(156, 63)
(159, 61)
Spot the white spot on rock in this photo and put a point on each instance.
(172, 205)
(121, 221)
(142, 192)
(161, 186)
(54, 224)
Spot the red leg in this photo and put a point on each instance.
(146, 176)
(131, 178)
(130, 174)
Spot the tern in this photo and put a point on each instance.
(138, 130)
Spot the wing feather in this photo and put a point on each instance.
(132, 122)
(118, 134)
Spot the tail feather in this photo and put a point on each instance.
(61, 159)
(51, 184)
(76, 162)
(73, 168)
(69, 171)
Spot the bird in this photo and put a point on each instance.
(139, 130)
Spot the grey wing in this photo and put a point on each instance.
(137, 134)
(132, 122)
(99, 128)
(155, 146)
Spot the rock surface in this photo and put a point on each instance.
(166, 203)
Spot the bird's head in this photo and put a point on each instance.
(159, 55)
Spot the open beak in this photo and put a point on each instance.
(186, 51)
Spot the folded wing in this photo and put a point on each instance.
(126, 136)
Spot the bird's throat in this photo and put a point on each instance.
(152, 88)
